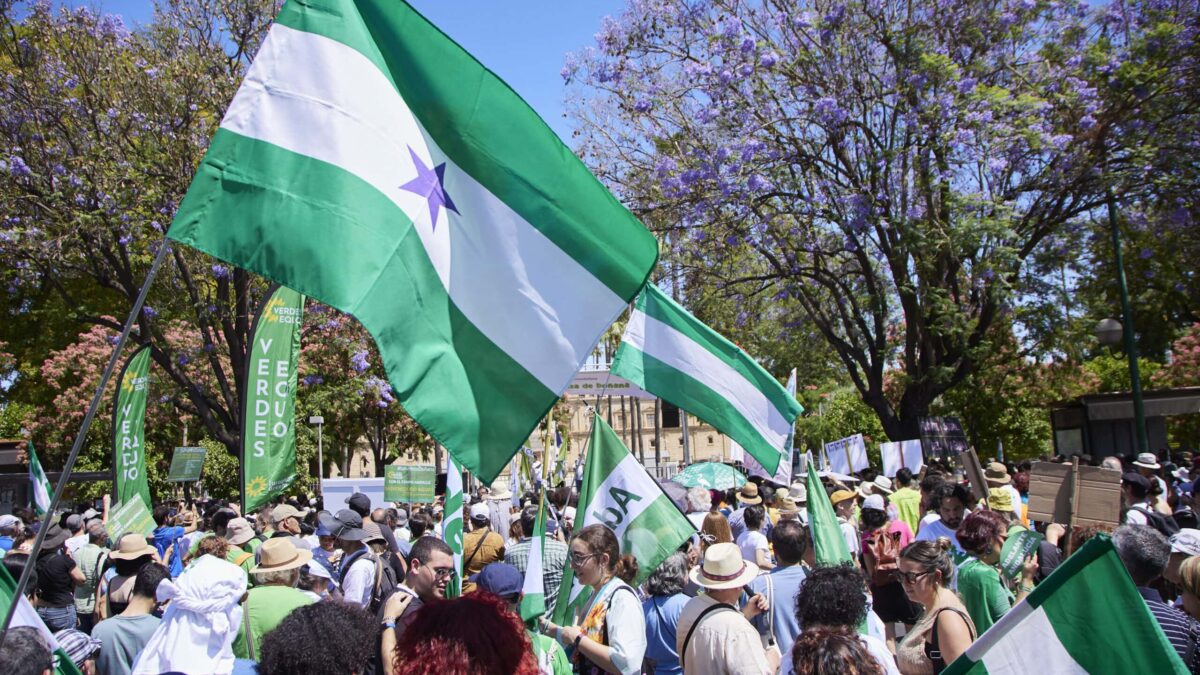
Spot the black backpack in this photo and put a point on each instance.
(1164, 524)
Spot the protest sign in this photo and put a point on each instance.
(186, 465)
(943, 437)
(847, 455)
(130, 516)
(1019, 546)
(901, 454)
(409, 484)
(1070, 494)
(974, 471)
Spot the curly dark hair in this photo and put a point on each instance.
(825, 651)
(832, 596)
(302, 644)
(873, 519)
(979, 530)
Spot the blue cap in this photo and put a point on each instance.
(322, 531)
(499, 579)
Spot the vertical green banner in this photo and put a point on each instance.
(452, 522)
(269, 429)
(129, 429)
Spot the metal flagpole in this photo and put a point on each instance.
(19, 592)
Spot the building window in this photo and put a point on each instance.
(710, 440)
(670, 416)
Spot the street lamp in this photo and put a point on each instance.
(320, 422)
(1109, 332)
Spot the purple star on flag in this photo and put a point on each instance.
(429, 183)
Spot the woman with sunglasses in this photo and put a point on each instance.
(945, 630)
(612, 637)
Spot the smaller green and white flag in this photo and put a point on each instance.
(26, 615)
(452, 523)
(828, 543)
(42, 489)
(618, 493)
(533, 591)
(1086, 617)
(672, 354)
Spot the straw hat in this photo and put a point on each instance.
(749, 495)
(996, 474)
(787, 506)
(841, 496)
(132, 546)
(1147, 460)
(278, 554)
(238, 531)
(882, 485)
(724, 567)
(798, 492)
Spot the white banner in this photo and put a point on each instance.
(847, 455)
(600, 382)
(905, 454)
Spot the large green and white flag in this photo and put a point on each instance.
(371, 163)
(452, 523)
(129, 429)
(25, 615)
(533, 590)
(1086, 617)
(670, 353)
(269, 422)
(619, 493)
(39, 485)
(829, 545)
(783, 474)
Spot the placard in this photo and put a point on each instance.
(409, 484)
(847, 455)
(943, 437)
(901, 454)
(975, 475)
(1017, 548)
(186, 465)
(132, 516)
(1070, 494)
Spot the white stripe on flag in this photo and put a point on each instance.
(300, 82)
(665, 343)
(1008, 653)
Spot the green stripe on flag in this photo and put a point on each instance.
(42, 491)
(533, 590)
(1086, 617)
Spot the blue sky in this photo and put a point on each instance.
(522, 41)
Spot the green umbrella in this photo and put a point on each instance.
(711, 476)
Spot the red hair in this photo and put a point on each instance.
(979, 529)
(475, 634)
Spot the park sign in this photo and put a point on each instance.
(186, 465)
(409, 484)
(371, 163)
(131, 516)
(129, 429)
(269, 425)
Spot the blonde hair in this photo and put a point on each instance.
(1189, 575)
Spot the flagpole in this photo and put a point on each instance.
(19, 591)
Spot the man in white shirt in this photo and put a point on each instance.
(951, 502)
(357, 568)
(74, 524)
(1135, 491)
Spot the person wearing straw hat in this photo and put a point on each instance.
(713, 637)
(274, 595)
(996, 475)
(239, 533)
(747, 496)
(844, 502)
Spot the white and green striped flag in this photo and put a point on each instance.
(533, 590)
(1086, 617)
(618, 493)
(670, 353)
(369, 162)
(42, 490)
(452, 523)
(25, 615)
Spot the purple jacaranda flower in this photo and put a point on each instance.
(768, 60)
(747, 45)
(1145, 254)
(641, 105)
(220, 271)
(125, 239)
(359, 361)
(997, 164)
(1087, 122)
(967, 85)
(149, 311)
(18, 167)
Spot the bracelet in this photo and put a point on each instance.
(577, 639)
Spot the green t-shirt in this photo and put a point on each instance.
(549, 654)
(263, 610)
(908, 504)
(986, 597)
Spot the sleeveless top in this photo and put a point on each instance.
(913, 654)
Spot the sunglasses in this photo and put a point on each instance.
(580, 558)
(910, 577)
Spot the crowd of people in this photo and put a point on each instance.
(294, 588)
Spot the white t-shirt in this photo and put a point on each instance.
(850, 534)
(934, 529)
(752, 542)
(359, 581)
(1135, 517)
(73, 544)
(875, 647)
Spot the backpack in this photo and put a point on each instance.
(385, 578)
(882, 556)
(1164, 524)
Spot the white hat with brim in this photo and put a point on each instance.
(500, 491)
(1147, 460)
(724, 567)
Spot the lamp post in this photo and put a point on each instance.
(320, 422)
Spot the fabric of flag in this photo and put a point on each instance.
(26, 615)
(369, 162)
(619, 493)
(670, 353)
(828, 544)
(533, 590)
(1086, 617)
(782, 475)
(41, 488)
(452, 523)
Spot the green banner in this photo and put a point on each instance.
(269, 432)
(1017, 548)
(131, 516)
(129, 429)
(409, 484)
(186, 465)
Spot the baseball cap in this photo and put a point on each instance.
(74, 522)
(359, 502)
(480, 510)
(1186, 541)
(9, 520)
(499, 579)
(345, 524)
(1133, 478)
(874, 502)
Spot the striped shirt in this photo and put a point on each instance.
(553, 562)
(1182, 631)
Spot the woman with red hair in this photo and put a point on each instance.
(473, 634)
(987, 597)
